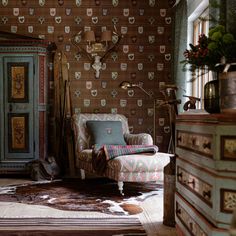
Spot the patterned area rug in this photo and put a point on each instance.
(74, 207)
(99, 195)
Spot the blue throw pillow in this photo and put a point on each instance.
(105, 132)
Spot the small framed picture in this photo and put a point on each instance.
(227, 200)
(228, 148)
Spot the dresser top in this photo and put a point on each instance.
(207, 118)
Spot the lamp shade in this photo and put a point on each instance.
(106, 36)
(89, 36)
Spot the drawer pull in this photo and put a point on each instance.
(193, 141)
(10, 107)
(191, 226)
(180, 175)
(206, 145)
(192, 183)
(178, 211)
(207, 194)
(179, 138)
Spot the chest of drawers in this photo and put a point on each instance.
(205, 174)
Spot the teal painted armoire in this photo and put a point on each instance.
(23, 104)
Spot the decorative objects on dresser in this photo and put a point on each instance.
(206, 174)
(227, 82)
(212, 96)
(220, 93)
(214, 53)
(191, 103)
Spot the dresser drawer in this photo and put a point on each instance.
(191, 222)
(214, 196)
(195, 184)
(195, 142)
(210, 146)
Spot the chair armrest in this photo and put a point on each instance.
(138, 139)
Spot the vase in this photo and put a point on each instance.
(212, 96)
(228, 92)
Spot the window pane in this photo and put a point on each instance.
(202, 76)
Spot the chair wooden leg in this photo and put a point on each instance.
(82, 174)
(120, 187)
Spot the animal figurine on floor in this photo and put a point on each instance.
(47, 169)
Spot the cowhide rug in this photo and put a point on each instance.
(99, 195)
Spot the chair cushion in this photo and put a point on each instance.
(139, 163)
(130, 163)
(105, 132)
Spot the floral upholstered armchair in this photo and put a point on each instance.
(141, 167)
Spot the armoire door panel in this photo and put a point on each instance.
(18, 76)
(18, 82)
(18, 138)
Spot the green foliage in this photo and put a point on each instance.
(228, 38)
(218, 14)
(218, 47)
(214, 4)
(222, 43)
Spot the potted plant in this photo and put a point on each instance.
(218, 48)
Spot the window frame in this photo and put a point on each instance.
(202, 75)
(196, 26)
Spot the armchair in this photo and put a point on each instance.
(126, 168)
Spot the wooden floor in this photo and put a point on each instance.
(151, 217)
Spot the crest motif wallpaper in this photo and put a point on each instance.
(142, 56)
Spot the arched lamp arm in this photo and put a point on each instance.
(81, 50)
(150, 95)
(111, 48)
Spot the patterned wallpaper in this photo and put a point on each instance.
(143, 55)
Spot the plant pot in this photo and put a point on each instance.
(211, 97)
(228, 92)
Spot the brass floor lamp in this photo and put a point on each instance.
(128, 85)
(168, 90)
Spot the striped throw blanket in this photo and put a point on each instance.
(102, 154)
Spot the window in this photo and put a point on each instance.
(197, 26)
(200, 27)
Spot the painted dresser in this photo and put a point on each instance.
(205, 174)
(23, 105)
